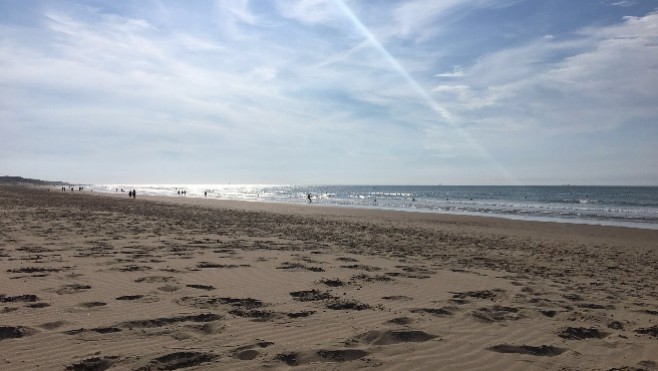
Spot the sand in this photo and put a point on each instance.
(92, 282)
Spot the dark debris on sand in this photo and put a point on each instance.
(651, 331)
(332, 282)
(346, 304)
(28, 298)
(213, 301)
(482, 294)
(292, 266)
(311, 295)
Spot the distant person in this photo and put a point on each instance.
(205, 194)
(309, 198)
(179, 192)
(134, 194)
(130, 194)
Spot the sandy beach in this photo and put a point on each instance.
(95, 282)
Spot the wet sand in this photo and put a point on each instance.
(100, 282)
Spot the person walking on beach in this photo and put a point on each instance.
(130, 194)
(134, 194)
(309, 198)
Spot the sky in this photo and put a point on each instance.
(330, 91)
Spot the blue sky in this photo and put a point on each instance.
(338, 91)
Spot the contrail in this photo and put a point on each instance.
(394, 63)
(441, 111)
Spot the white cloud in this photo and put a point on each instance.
(252, 89)
(262, 74)
(197, 44)
(601, 80)
(413, 16)
(457, 71)
(624, 3)
(422, 19)
(238, 9)
(310, 11)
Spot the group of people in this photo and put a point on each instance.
(80, 188)
(132, 194)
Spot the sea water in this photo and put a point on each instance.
(623, 206)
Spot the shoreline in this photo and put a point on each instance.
(162, 283)
(549, 229)
(510, 216)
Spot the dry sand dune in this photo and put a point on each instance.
(95, 282)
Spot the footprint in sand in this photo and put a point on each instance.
(72, 289)
(401, 321)
(302, 314)
(157, 279)
(176, 360)
(247, 352)
(482, 294)
(332, 282)
(201, 287)
(497, 313)
(15, 332)
(139, 298)
(397, 298)
(389, 337)
(52, 325)
(94, 363)
(439, 312)
(580, 333)
(92, 304)
(322, 355)
(37, 305)
(542, 350)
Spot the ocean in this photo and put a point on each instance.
(621, 206)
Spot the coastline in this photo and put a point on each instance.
(105, 281)
(545, 229)
(544, 203)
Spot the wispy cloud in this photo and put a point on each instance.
(310, 11)
(624, 3)
(296, 91)
(585, 84)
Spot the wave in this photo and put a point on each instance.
(616, 204)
